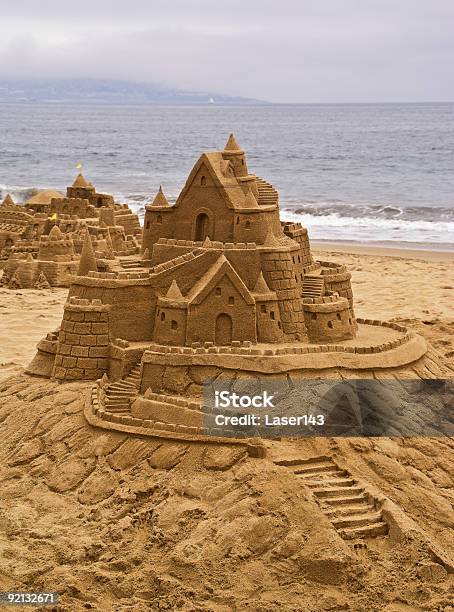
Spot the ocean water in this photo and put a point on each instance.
(371, 173)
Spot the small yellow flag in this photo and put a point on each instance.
(79, 166)
(54, 217)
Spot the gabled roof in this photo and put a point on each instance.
(211, 278)
(228, 185)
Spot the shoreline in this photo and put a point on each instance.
(381, 250)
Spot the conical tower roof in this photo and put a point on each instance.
(250, 199)
(8, 200)
(174, 292)
(55, 233)
(260, 285)
(87, 261)
(160, 199)
(232, 146)
(81, 181)
(271, 240)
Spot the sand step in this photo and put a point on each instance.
(321, 482)
(367, 531)
(313, 286)
(343, 500)
(122, 385)
(121, 409)
(316, 469)
(357, 520)
(112, 393)
(117, 401)
(349, 510)
(333, 492)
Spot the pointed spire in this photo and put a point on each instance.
(146, 255)
(55, 233)
(8, 201)
(271, 240)
(160, 199)
(260, 285)
(231, 144)
(250, 199)
(81, 181)
(87, 261)
(207, 242)
(41, 282)
(174, 292)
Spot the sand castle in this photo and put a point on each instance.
(223, 286)
(42, 240)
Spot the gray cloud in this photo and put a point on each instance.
(293, 50)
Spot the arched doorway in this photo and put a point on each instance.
(201, 227)
(223, 330)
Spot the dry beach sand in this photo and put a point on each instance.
(136, 524)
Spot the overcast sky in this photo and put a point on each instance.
(278, 50)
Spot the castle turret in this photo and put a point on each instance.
(269, 326)
(235, 155)
(171, 317)
(83, 342)
(81, 188)
(159, 222)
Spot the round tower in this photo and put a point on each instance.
(328, 319)
(268, 318)
(83, 341)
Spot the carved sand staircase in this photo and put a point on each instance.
(120, 393)
(353, 512)
(267, 193)
(130, 264)
(313, 286)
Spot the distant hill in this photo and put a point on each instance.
(107, 92)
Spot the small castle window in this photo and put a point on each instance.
(148, 225)
(174, 325)
(296, 278)
(163, 316)
(330, 324)
(203, 181)
(350, 321)
(218, 291)
(272, 315)
(159, 219)
(263, 308)
(237, 220)
(314, 316)
(339, 316)
(242, 161)
(279, 325)
(248, 224)
(293, 259)
(231, 300)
